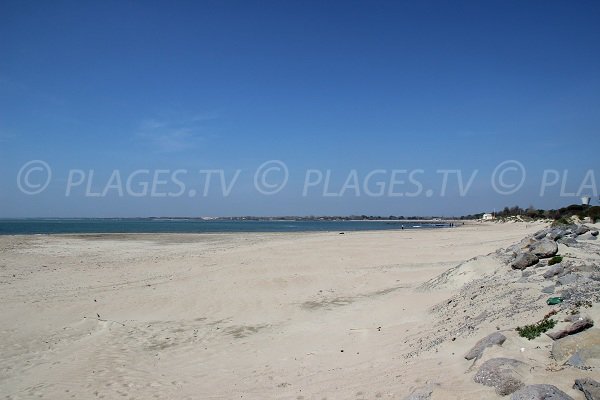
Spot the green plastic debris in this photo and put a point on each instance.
(554, 300)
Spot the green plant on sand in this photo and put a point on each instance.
(562, 221)
(535, 330)
(555, 260)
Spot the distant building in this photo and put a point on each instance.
(487, 217)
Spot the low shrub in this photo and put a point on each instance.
(535, 330)
(555, 260)
(562, 221)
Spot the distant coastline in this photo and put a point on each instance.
(198, 225)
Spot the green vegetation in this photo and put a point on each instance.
(535, 330)
(562, 221)
(561, 216)
(555, 260)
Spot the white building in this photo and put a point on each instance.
(487, 217)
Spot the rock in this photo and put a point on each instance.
(588, 236)
(540, 392)
(539, 235)
(548, 289)
(581, 229)
(509, 386)
(476, 352)
(524, 260)
(586, 344)
(556, 234)
(577, 361)
(554, 270)
(500, 373)
(567, 241)
(567, 279)
(544, 248)
(574, 328)
(589, 387)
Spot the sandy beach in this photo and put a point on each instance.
(254, 316)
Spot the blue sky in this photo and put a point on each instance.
(332, 85)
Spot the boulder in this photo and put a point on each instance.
(555, 269)
(556, 234)
(540, 392)
(576, 327)
(539, 235)
(476, 352)
(524, 260)
(581, 229)
(567, 241)
(543, 248)
(589, 387)
(588, 236)
(501, 374)
(577, 361)
(586, 344)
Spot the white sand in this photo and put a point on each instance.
(258, 316)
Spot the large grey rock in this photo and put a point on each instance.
(540, 392)
(524, 260)
(556, 234)
(581, 229)
(576, 327)
(554, 270)
(586, 344)
(543, 248)
(476, 352)
(577, 361)
(589, 387)
(501, 374)
(588, 236)
(539, 235)
(567, 241)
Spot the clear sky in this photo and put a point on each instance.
(323, 85)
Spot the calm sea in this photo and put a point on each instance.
(132, 225)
